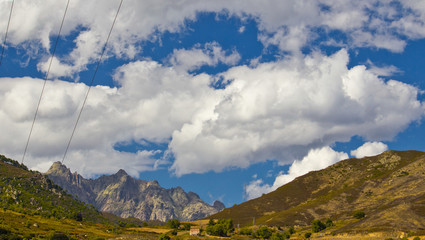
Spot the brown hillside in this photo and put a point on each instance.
(389, 188)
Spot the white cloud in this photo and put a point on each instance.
(280, 110)
(369, 149)
(241, 29)
(290, 25)
(211, 55)
(276, 110)
(316, 159)
(256, 188)
(385, 71)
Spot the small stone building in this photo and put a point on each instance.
(195, 231)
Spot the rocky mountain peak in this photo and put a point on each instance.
(121, 173)
(219, 205)
(125, 196)
(58, 168)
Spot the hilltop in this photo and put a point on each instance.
(389, 189)
(125, 196)
(32, 206)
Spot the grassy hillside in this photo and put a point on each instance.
(32, 193)
(31, 206)
(388, 188)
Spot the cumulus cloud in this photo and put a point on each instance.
(211, 55)
(275, 110)
(290, 25)
(369, 149)
(316, 159)
(280, 110)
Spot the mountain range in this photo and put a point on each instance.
(125, 196)
(388, 190)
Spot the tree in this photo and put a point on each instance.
(186, 226)
(359, 214)
(329, 223)
(245, 231)
(263, 232)
(291, 230)
(59, 236)
(222, 228)
(277, 236)
(280, 236)
(163, 237)
(173, 223)
(211, 222)
(318, 226)
(77, 217)
(173, 232)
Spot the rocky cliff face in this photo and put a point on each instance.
(122, 195)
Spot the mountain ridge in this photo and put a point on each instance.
(125, 196)
(389, 188)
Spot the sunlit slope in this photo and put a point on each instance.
(389, 188)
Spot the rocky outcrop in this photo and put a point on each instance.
(125, 196)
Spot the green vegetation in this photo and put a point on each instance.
(173, 223)
(359, 214)
(317, 226)
(163, 237)
(221, 228)
(186, 226)
(263, 232)
(32, 193)
(32, 207)
(59, 236)
(329, 223)
(291, 230)
(374, 185)
(246, 231)
(307, 235)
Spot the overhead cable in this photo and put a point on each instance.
(91, 83)
(45, 80)
(7, 30)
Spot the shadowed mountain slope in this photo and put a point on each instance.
(388, 188)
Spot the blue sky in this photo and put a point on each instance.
(229, 99)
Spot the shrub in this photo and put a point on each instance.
(279, 236)
(59, 236)
(211, 222)
(417, 238)
(173, 223)
(291, 230)
(174, 232)
(245, 231)
(221, 228)
(163, 237)
(186, 226)
(217, 230)
(359, 214)
(263, 232)
(77, 217)
(329, 223)
(307, 235)
(318, 226)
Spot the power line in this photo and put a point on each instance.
(7, 30)
(91, 82)
(45, 80)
